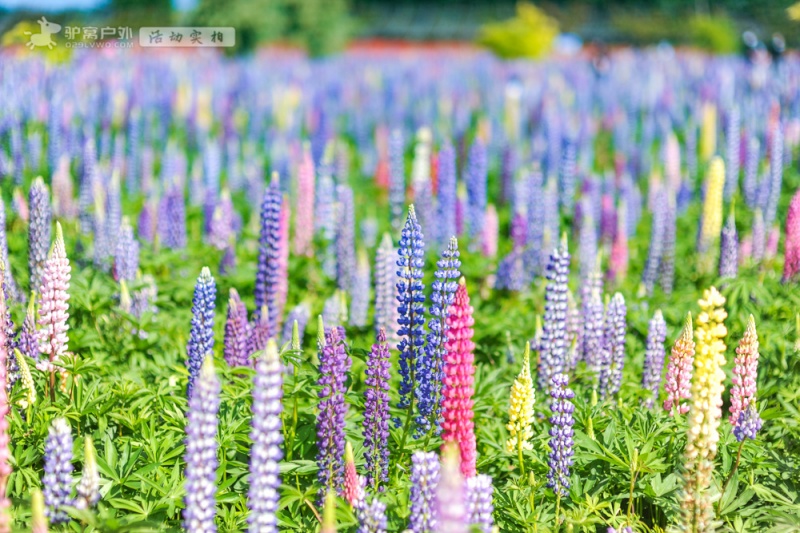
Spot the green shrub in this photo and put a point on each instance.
(530, 34)
(716, 34)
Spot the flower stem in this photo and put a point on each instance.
(521, 460)
(558, 512)
(730, 476)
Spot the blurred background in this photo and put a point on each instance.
(508, 28)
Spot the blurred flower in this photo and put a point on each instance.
(446, 217)
(359, 306)
(353, 489)
(791, 265)
(451, 497)
(424, 480)
(489, 234)
(475, 173)
(386, 313)
(304, 222)
(237, 332)
(12, 291)
(729, 249)
(654, 357)
(479, 502)
(712, 212)
(616, 328)
(126, 254)
(89, 486)
(372, 517)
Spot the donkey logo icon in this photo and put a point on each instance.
(44, 38)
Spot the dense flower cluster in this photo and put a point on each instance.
(561, 434)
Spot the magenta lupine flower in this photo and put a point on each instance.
(424, 481)
(237, 332)
(53, 306)
(451, 498)
(479, 502)
(791, 265)
(771, 249)
(304, 219)
(745, 372)
(267, 437)
(334, 364)
(201, 451)
(38, 231)
(5, 452)
(678, 384)
(654, 357)
(376, 414)
(353, 490)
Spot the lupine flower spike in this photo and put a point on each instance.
(553, 350)
(201, 451)
(561, 435)
(745, 372)
(679, 371)
(376, 414)
(201, 337)
(329, 513)
(39, 516)
(353, 488)
(38, 231)
(424, 480)
(372, 517)
(237, 332)
(89, 485)
(5, 452)
(791, 265)
(451, 513)
(459, 374)
(704, 414)
(654, 357)
(267, 437)
(520, 413)
(57, 481)
(479, 502)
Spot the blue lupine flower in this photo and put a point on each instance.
(446, 218)
(479, 502)
(613, 352)
(561, 435)
(749, 424)
(201, 337)
(397, 179)
(553, 351)
(372, 517)
(475, 179)
(654, 357)
(57, 481)
(268, 270)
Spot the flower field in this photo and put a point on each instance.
(427, 291)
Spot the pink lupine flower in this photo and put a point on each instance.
(490, 229)
(746, 250)
(458, 387)
(745, 371)
(791, 264)
(304, 218)
(618, 261)
(771, 249)
(679, 371)
(53, 306)
(353, 483)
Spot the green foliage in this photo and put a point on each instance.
(530, 34)
(716, 34)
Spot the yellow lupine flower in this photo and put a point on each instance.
(708, 132)
(520, 413)
(712, 214)
(705, 412)
(27, 381)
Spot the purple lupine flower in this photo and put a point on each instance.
(759, 232)
(397, 180)
(574, 332)
(372, 517)
(748, 425)
(86, 187)
(334, 310)
(113, 211)
(386, 313)
(227, 264)
(171, 221)
(666, 267)
(146, 223)
(260, 330)
(429, 369)
(267, 437)
(300, 314)
(533, 256)
(551, 219)
(654, 357)
(475, 175)
(508, 168)
(266, 289)
(775, 176)
(451, 499)
(376, 414)
(553, 351)
(27, 342)
(144, 299)
(421, 186)
(592, 308)
(479, 502)
(126, 255)
(201, 450)
(201, 336)
(424, 480)
(613, 352)
(345, 239)
(512, 274)
(656, 249)
(561, 434)
(102, 245)
(220, 228)
(237, 332)
(411, 300)
(587, 243)
(38, 231)
(334, 364)
(12, 292)
(446, 218)
(566, 176)
(750, 184)
(359, 305)
(57, 480)
(732, 155)
(519, 231)
(729, 249)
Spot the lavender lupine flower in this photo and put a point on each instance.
(451, 512)
(126, 255)
(102, 245)
(11, 287)
(654, 357)
(146, 224)
(227, 264)
(27, 342)
(424, 480)
(613, 351)
(237, 332)
(512, 274)
(144, 299)
(729, 249)
(172, 218)
(656, 249)
(561, 434)
(732, 155)
(345, 239)
(376, 414)
(201, 451)
(334, 310)
(553, 351)
(38, 231)
(372, 517)
(566, 176)
(666, 267)
(775, 176)
(592, 338)
(260, 330)
(479, 502)
(533, 256)
(750, 184)
(334, 364)
(759, 233)
(57, 480)
(267, 437)
(359, 305)
(748, 424)
(587, 243)
(475, 179)
(386, 313)
(88, 488)
(86, 186)
(201, 337)
(411, 300)
(113, 210)
(266, 289)
(430, 368)
(397, 180)
(446, 218)
(300, 315)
